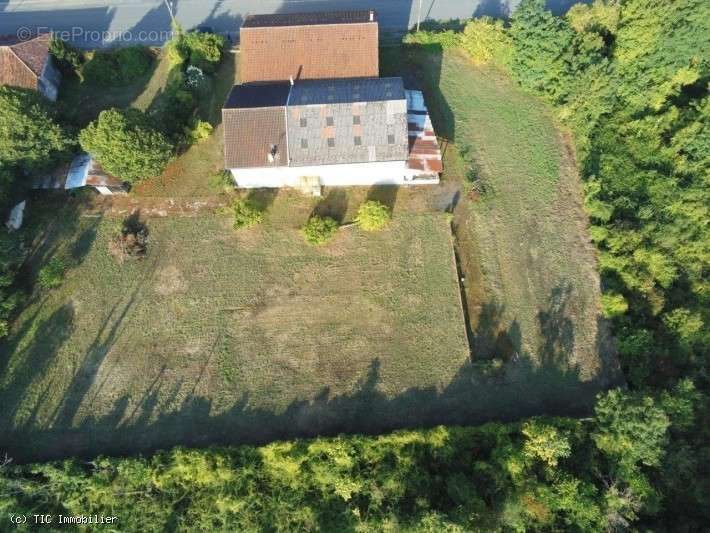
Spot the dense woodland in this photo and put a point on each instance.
(630, 79)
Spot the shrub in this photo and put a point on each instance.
(194, 78)
(198, 131)
(133, 62)
(372, 216)
(69, 59)
(487, 42)
(52, 273)
(199, 49)
(126, 145)
(119, 67)
(439, 39)
(613, 305)
(246, 214)
(319, 230)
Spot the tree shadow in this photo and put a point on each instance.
(50, 335)
(525, 385)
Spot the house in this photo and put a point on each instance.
(83, 171)
(336, 132)
(28, 64)
(324, 45)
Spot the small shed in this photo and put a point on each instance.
(83, 171)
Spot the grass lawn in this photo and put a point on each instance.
(224, 335)
(531, 280)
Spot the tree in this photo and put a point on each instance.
(30, 137)
(373, 216)
(545, 443)
(126, 145)
(319, 230)
(631, 429)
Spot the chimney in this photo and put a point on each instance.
(272, 154)
(372, 16)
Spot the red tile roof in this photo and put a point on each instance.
(309, 51)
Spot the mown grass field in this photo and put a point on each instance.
(531, 280)
(217, 334)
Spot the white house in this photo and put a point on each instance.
(336, 132)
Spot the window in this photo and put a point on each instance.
(329, 121)
(356, 119)
(304, 122)
(331, 142)
(304, 143)
(358, 140)
(390, 139)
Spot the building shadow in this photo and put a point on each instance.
(385, 194)
(333, 205)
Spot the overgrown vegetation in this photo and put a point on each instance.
(246, 213)
(117, 67)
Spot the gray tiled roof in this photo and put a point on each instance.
(349, 90)
(327, 122)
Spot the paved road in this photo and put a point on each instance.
(91, 23)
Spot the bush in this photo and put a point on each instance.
(133, 62)
(126, 145)
(438, 39)
(246, 214)
(52, 273)
(69, 59)
(613, 305)
(198, 131)
(199, 49)
(372, 216)
(487, 42)
(119, 67)
(319, 230)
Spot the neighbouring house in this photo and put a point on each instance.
(83, 171)
(336, 132)
(28, 64)
(343, 44)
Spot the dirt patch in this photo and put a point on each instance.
(170, 280)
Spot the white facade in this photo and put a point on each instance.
(351, 174)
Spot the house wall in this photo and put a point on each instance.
(379, 173)
(48, 83)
